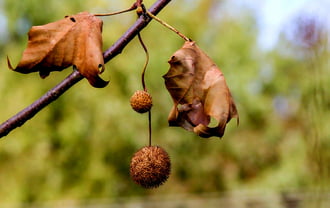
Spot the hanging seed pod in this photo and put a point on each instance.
(141, 101)
(150, 166)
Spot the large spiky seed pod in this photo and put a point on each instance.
(150, 166)
(141, 101)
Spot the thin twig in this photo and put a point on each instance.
(26, 114)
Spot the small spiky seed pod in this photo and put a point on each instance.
(141, 101)
(150, 166)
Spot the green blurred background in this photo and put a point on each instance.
(77, 150)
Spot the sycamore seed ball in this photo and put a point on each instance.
(141, 101)
(150, 166)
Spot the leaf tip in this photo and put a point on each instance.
(207, 132)
(97, 82)
(43, 74)
(9, 64)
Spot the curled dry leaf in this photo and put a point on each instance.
(75, 40)
(199, 92)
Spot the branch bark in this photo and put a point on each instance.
(20, 118)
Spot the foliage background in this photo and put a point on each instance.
(79, 147)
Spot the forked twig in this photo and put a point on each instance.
(30, 111)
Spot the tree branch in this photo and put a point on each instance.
(30, 111)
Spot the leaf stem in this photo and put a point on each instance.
(168, 26)
(115, 13)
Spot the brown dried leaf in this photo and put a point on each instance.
(199, 92)
(75, 40)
